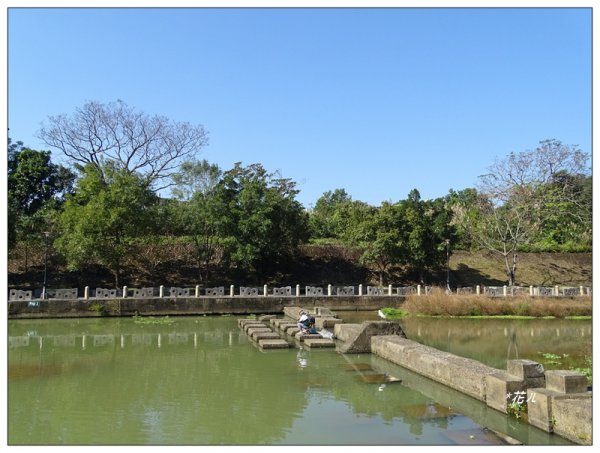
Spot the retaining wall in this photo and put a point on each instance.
(556, 401)
(156, 306)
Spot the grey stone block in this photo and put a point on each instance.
(273, 344)
(319, 343)
(566, 381)
(525, 369)
(266, 335)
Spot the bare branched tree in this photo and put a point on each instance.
(523, 189)
(151, 146)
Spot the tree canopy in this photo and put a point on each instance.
(152, 147)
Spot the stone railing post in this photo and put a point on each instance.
(389, 290)
(297, 290)
(231, 291)
(329, 289)
(581, 293)
(418, 290)
(197, 293)
(360, 289)
(478, 290)
(556, 290)
(86, 292)
(161, 291)
(531, 290)
(504, 292)
(124, 292)
(265, 290)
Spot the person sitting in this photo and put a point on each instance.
(306, 322)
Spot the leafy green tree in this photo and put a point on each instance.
(427, 227)
(327, 217)
(379, 236)
(262, 222)
(566, 219)
(36, 187)
(108, 210)
(197, 210)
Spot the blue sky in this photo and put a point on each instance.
(375, 101)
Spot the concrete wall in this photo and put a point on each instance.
(557, 401)
(465, 375)
(156, 306)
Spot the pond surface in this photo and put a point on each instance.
(555, 343)
(201, 381)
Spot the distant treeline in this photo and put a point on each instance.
(246, 223)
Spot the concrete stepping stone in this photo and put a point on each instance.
(319, 343)
(292, 331)
(305, 336)
(252, 330)
(270, 335)
(287, 327)
(254, 326)
(243, 322)
(278, 321)
(273, 344)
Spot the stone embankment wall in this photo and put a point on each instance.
(157, 306)
(557, 401)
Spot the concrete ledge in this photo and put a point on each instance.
(344, 332)
(359, 340)
(326, 322)
(465, 375)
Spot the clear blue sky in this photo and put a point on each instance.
(375, 101)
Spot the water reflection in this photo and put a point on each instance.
(199, 381)
(494, 341)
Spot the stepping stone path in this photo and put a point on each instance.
(269, 332)
(262, 334)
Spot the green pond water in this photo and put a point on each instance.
(202, 381)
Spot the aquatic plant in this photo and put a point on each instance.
(98, 308)
(393, 313)
(165, 320)
(517, 409)
(586, 371)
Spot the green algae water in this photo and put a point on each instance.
(202, 381)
